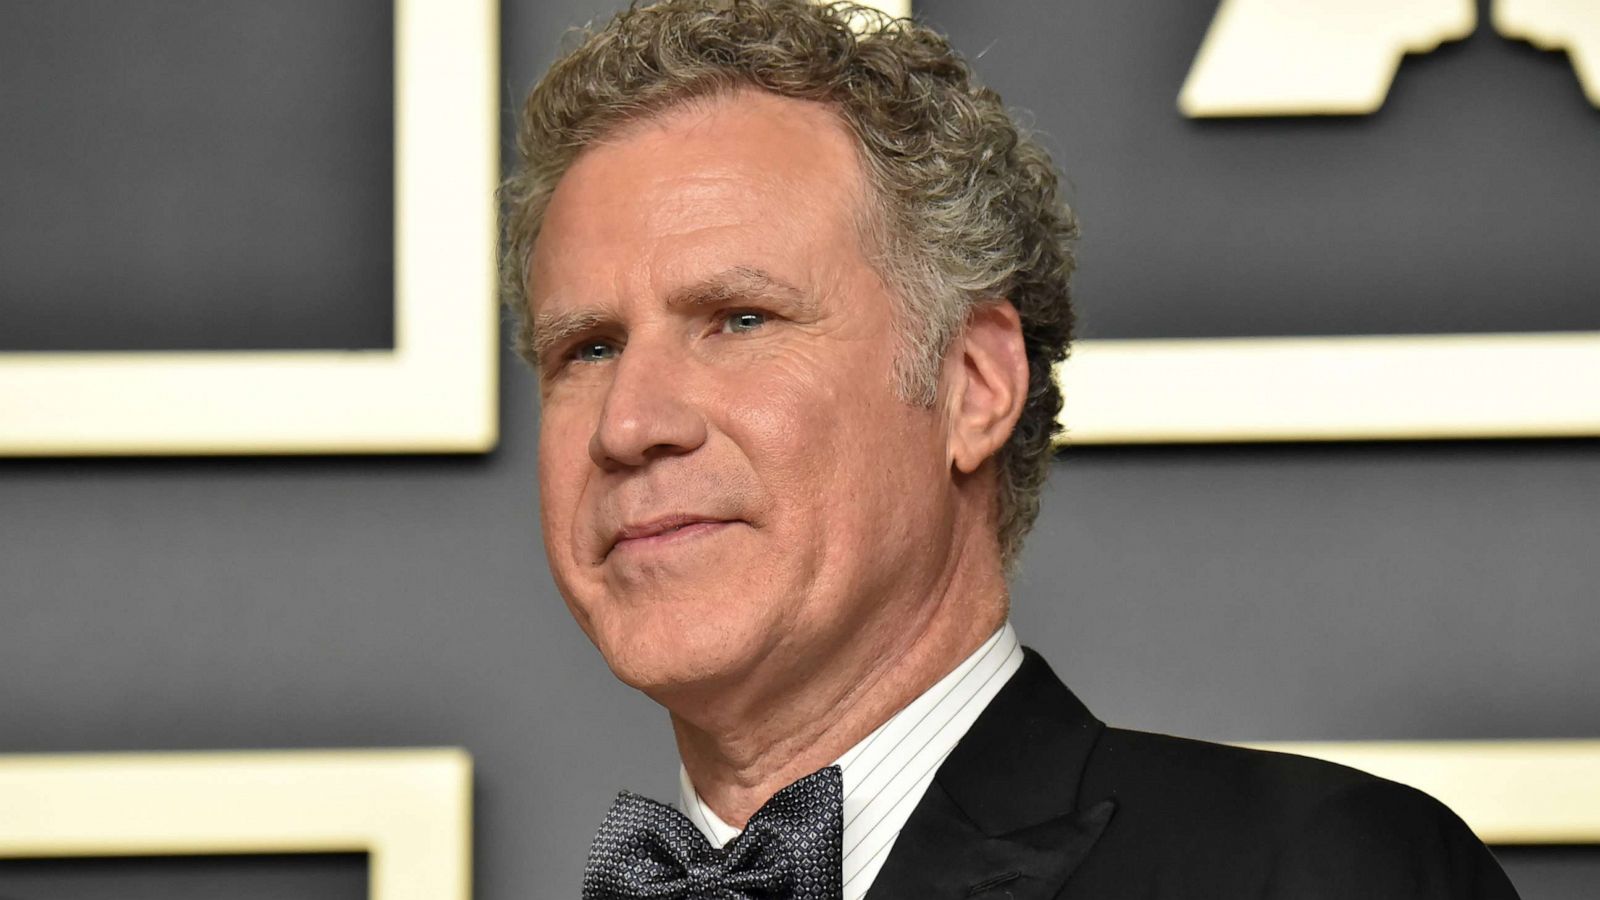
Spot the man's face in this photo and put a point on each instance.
(731, 488)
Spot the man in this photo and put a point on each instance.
(794, 287)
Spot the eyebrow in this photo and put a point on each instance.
(738, 282)
(546, 331)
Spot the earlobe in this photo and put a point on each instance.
(988, 395)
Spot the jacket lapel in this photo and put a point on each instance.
(1001, 817)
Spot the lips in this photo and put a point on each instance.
(663, 529)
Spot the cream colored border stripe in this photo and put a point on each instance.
(897, 8)
(409, 809)
(1509, 792)
(1333, 388)
(436, 391)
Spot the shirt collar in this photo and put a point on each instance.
(887, 772)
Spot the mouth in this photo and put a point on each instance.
(664, 531)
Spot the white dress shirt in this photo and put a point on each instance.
(887, 773)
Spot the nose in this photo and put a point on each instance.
(648, 412)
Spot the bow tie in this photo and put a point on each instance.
(790, 850)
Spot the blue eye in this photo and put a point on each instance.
(744, 322)
(594, 351)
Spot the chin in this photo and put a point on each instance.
(664, 654)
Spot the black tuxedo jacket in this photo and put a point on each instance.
(1040, 800)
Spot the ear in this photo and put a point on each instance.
(990, 384)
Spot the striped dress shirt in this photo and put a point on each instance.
(887, 773)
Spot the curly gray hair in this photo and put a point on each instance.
(965, 207)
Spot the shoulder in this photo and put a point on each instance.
(1278, 825)
(1177, 773)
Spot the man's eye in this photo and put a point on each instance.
(594, 351)
(743, 322)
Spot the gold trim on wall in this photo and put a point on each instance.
(1508, 792)
(409, 810)
(1340, 57)
(897, 8)
(434, 392)
(1332, 388)
(1313, 57)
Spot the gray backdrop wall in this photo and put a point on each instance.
(1277, 592)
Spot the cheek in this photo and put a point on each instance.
(833, 442)
(784, 418)
(563, 468)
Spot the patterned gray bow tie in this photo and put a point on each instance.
(790, 850)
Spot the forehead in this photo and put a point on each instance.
(745, 179)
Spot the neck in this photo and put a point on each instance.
(737, 763)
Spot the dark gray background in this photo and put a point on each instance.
(1466, 204)
(1278, 592)
(196, 174)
